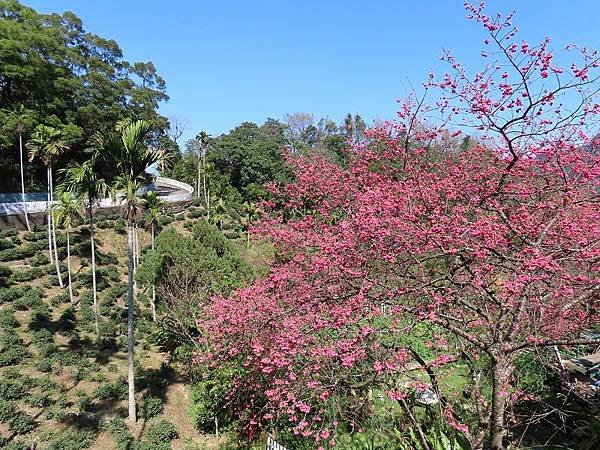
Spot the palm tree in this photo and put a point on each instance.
(48, 143)
(85, 181)
(154, 205)
(220, 213)
(252, 213)
(203, 141)
(132, 157)
(20, 129)
(65, 210)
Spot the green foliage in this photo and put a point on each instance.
(8, 321)
(162, 431)
(69, 79)
(23, 275)
(12, 388)
(150, 407)
(74, 440)
(12, 349)
(207, 399)
(8, 410)
(5, 274)
(120, 433)
(21, 423)
(5, 244)
(117, 390)
(38, 260)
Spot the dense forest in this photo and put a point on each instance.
(428, 282)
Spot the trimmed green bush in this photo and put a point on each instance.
(150, 407)
(21, 423)
(162, 431)
(117, 390)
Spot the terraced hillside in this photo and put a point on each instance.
(59, 388)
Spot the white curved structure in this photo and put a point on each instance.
(169, 190)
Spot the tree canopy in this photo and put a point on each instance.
(53, 72)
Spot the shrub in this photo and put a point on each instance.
(207, 400)
(107, 259)
(44, 365)
(5, 274)
(60, 299)
(9, 232)
(74, 440)
(119, 225)
(117, 390)
(42, 336)
(8, 409)
(33, 236)
(38, 260)
(40, 400)
(195, 214)
(8, 295)
(8, 321)
(164, 221)
(162, 431)
(120, 433)
(11, 254)
(28, 274)
(39, 316)
(21, 423)
(5, 244)
(32, 299)
(150, 407)
(12, 389)
(12, 350)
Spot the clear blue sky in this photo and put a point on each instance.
(231, 61)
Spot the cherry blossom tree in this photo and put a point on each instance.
(494, 247)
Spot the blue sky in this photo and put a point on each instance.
(231, 61)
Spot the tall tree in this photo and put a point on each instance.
(154, 205)
(493, 248)
(20, 119)
(65, 77)
(47, 144)
(85, 180)
(132, 157)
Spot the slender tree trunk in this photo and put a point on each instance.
(208, 202)
(49, 220)
(153, 299)
(23, 183)
(130, 322)
(198, 180)
(94, 289)
(501, 372)
(69, 268)
(137, 248)
(205, 192)
(53, 226)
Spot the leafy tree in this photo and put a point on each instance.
(187, 272)
(251, 156)
(493, 249)
(67, 78)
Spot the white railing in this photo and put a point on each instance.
(8, 209)
(272, 444)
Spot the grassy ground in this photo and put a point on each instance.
(58, 387)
